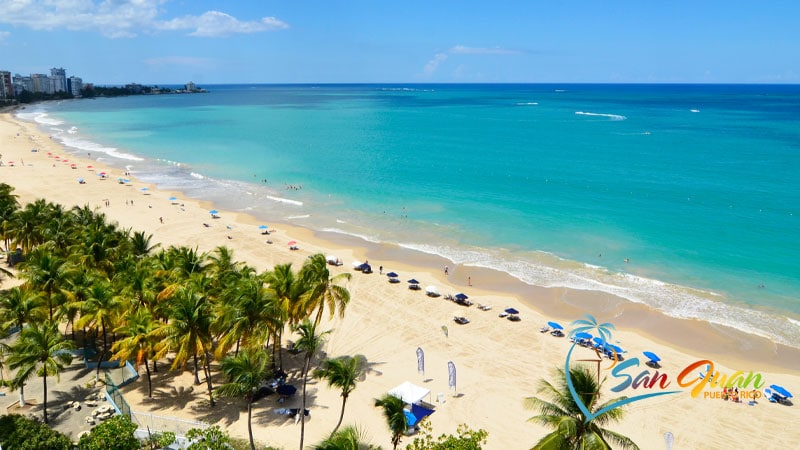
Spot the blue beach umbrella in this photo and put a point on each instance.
(652, 356)
(413, 281)
(392, 275)
(583, 336)
(781, 390)
(411, 419)
(615, 348)
(511, 311)
(144, 189)
(460, 296)
(555, 325)
(262, 227)
(172, 199)
(213, 212)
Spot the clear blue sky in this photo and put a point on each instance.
(339, 41)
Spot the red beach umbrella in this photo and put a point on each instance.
(292, 243)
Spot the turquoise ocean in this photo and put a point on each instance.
(697, 186)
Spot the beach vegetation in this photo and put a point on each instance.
(309, 343)
(464, 439)
(245, 372)
(40, 350)
(342, 373)
(117, 432)
(211, 438)
(393, 410)
(559, 411)
(21, 433)
(115, 291)
(348, 438)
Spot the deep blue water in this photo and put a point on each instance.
(696, 185)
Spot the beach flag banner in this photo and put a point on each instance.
(451, 375)
(420, 361)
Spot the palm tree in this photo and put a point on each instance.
(571, 429)
(8, 205)
(393, 411)
(19, 306)
(245, 373)
(45, 271)
(101, 311)
(141, 244)
(310, 343)
(342, 372)
(322, 288)
(348, 438)
(41, 349)
(288, 292)
(139, 341)
(245, 314)
(188, 331)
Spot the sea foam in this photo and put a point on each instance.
(610, 116)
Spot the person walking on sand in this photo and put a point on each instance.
(161, 219)
(469, 281)
(446, 270)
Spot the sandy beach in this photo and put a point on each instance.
(499, 362)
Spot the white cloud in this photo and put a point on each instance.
(434, 63)
(125, 18)
(441, 57)
(215, 23)
(463, 50)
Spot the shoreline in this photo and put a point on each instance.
(675, 339)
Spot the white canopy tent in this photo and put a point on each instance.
(410, 393)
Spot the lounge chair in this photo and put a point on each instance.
(544, 329)
(514, 318)
(461, 320)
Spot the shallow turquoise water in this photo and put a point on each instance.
(695, 185)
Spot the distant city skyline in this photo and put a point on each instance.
(363, 41)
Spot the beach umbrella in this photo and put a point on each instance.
(213, 212)
(90, 167)
(262, 227)
(172, 199)
(583, 336)
(615, 348)
(432, 290)
(392, 275)
(461, 296)
(80, 180)
(781, 391)
(599, 341)
(652, 356)
(125, 180)
(413, 281)
(292, 243)
(144, 189)
(555, 325)
(511, 311)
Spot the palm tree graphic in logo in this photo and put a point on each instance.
(604, 333)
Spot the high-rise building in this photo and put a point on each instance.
(6, 85)
(58, 77)
(22, 83)
(41, 83)
(75, 86)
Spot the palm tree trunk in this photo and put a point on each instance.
(44, 393)
(341, 415)
(207, 368)
(196, 374)
(149, 381)
(250, 423)
(22, 395)
(303, 410)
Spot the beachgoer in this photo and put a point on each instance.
(380, 270)
(161, 219)
(469, 281)
(446, 269)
